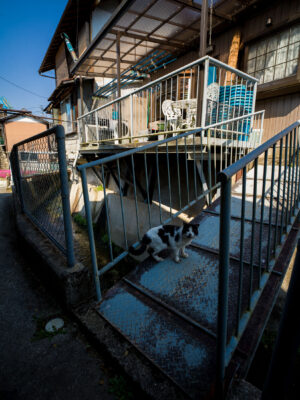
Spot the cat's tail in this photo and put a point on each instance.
(143, 246)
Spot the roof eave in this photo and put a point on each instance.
(44, 67)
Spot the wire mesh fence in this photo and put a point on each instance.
(40, 180)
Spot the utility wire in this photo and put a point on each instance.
(20, 87)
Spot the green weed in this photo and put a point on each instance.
(80, 220)
(104, 238)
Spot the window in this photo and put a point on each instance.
(275, 57)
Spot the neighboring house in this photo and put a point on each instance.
(73, 93)
(111, 37)
(19, 126)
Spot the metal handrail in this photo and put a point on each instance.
(285, 210)
(236, 167)
(197, 193)
(171, 74)
(163, 141)
(179, 131)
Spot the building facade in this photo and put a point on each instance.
(108, 39)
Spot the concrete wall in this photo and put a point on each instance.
(21, 129)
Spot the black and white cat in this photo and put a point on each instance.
(171, 237)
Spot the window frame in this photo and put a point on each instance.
(273, 83)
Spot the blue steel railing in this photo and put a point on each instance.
(173, 103)
(40, 177)
(280, 157)
(156, 183)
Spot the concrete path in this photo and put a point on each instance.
(33, 366)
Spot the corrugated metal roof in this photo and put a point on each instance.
(143, 26)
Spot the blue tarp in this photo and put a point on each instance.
(5, 104)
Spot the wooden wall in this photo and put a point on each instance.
(280, 112)
(83, 39)
(61, 66)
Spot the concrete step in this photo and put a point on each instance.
(185, 355)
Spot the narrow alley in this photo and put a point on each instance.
(34, 364)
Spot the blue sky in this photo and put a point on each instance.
(26, 29)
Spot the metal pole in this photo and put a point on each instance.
(287, 342)
(224, 240)
(203, 28)
(118, 65)
(204, 93)
(131, 118)
(119, 83)
(60, 137)
(82, 111)
(88, 215)
(202, 53)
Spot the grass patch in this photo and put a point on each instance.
(104, 238)
(80, 220)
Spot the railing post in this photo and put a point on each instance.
(60, 137)
(131, 118)
(253, 104)
(97, 127)
(88, 215)
(224, 246)
(204, 93)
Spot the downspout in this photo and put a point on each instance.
(81, 113)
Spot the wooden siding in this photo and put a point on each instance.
(281, 112)
(61, 68)
(83, 39)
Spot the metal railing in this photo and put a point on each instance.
(266, 206)
(199, 94)
(40, 178)
(155, 184)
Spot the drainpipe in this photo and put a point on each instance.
(81, 121)
(203, 28)
(81, 94)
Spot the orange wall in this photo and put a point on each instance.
(16, 131)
